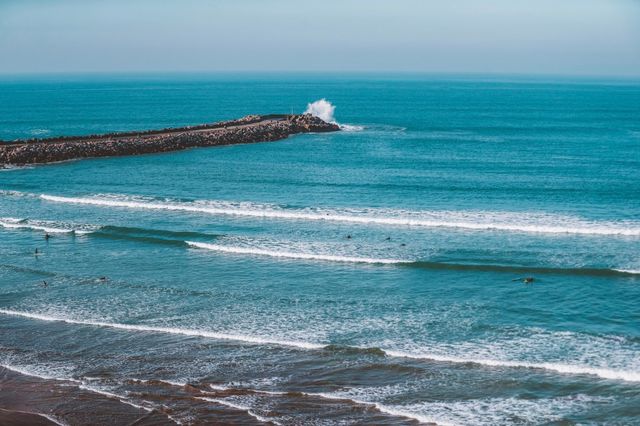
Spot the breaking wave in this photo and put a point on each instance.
(570, 369)
(468, 220)
(293, 255)
(324, 110)
(50, 227)
(168, 330)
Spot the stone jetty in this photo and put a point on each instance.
(249, 129)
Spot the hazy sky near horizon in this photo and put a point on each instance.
(581, 37)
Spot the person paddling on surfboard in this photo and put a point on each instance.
(526, 280)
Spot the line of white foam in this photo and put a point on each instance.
(379, 407)
(292, 255)
(220, 388)
(120, 398)
(81, 385)
(587, 229)
(629, 376)
(168, 382)
(382, 408)
(605, 373)
(238, 407)
(30, 373)
(53, 419)
(629, 271)
(168, 330)
(50, 230)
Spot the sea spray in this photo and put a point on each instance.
(324, 110)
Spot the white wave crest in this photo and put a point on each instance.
(112, 395)
(167, 330)
(629, 271)
(39, 132)
(38, 373)
(44, 226)
(390, 410)
(486, 411)
(292, 255)
(605, 373)
(468, 220)
(238, 407)
(80, 384)
(11, 167)
(53, 419)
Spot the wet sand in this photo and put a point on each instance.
(30, 400)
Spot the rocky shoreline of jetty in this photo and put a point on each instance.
(249, 129)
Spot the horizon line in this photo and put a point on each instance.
(321, 72)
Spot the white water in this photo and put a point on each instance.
(470, 220)
(48, 226)
(46, 375)
(10, 223)
(238, 407)
(169, 330)
(485, 411)
(79, 383)
(629, 271)
(324, 110)
(391, 410)
(292, 255)
(380, 407)
(605, 373)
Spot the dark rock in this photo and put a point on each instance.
(249, 129)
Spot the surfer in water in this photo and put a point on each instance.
(46, 237)
(526, 280)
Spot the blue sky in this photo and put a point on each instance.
(575, 37)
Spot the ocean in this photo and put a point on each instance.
(371, 276)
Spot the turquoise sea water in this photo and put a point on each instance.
(371, 275)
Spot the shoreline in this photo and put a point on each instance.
(27, 399)
(249, 129)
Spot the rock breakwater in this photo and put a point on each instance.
(249, 129)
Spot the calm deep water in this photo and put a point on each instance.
(369, 276)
